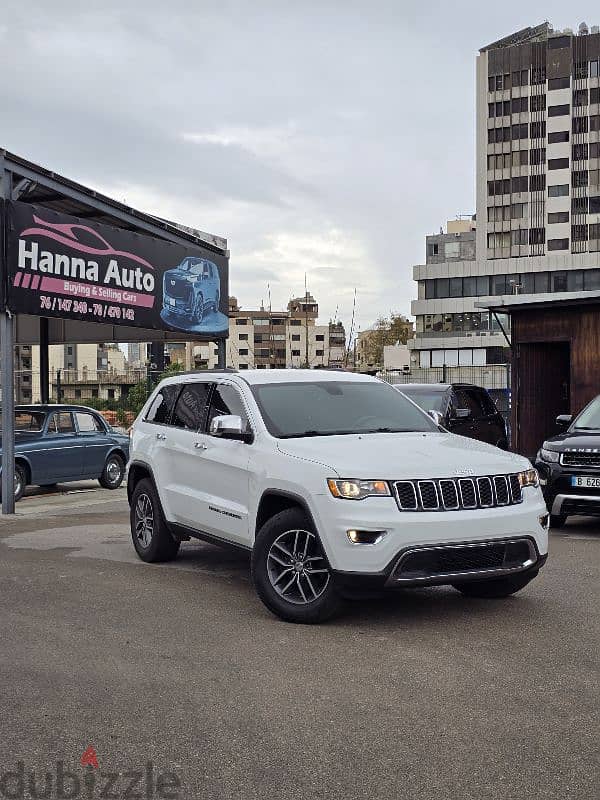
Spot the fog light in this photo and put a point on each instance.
(544, 520)
(365, 537)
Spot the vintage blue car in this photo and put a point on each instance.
(61, 443)
(191, 290)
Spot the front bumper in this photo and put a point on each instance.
(562, 498)
(404, 530)
(446, 564)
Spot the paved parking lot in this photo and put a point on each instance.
(423, 694)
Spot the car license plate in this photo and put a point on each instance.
(585, 482)
(172, 301)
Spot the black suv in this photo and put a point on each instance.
(462, 408)
(569, 466)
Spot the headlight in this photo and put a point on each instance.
(551, 456)
(350, 489)
(529, 478)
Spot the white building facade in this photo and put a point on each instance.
(538, 194)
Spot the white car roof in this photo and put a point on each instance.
(258, 376)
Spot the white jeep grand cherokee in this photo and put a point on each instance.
(336, 483)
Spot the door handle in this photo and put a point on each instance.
(161, 437)
(200, 446)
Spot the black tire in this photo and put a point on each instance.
(495, 587)
(20, 482)
(113, 472)
(320, 582)
(199, 308)
(155, 544)
(558, 520)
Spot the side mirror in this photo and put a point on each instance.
(564, 420)
(436, 417)
(462, 413)
(230, 426)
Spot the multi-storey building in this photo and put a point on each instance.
(538, 193)
(265, 339)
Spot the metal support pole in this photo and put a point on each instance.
(44, 362)
(8, 413)
(222, 354)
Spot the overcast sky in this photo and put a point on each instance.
(325, 138)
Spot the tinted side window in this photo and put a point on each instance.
(227, 400)
(487, 403)
(467, 399)
(190, 409)
(162, 405)
(61, 422)
(87, 423)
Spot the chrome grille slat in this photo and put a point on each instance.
(458, 494)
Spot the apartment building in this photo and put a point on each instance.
(538, 194)
(263, 339)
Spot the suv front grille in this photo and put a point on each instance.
(454, 494)
(581, 459)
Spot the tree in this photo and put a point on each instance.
(385, 332)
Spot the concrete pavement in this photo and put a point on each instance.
(422, 694)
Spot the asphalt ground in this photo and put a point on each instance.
(423, 694)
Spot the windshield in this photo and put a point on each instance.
(196, 266)
(327, 408)
(27, 421)
(589, 417)
(427, 399)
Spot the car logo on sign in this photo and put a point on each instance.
(172, 283)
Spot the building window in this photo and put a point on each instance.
(575, 280)
(594, 149)
(538, 130)
(594, 123)
(580, 70)
(580, 97)
(559, 111)
(558, 83)
(518, 210)
(580, 178)
(538, 102)
(242, 366)
(538, 156)
(579, 233)
(78, 393)
(520, 104)
(296, 352)
(296, 322)
(558, 216)
(243, 337)
(558, 244)
(518, 237)
(320, 337)
(520, 78)
(520, 184)
(559, 279)
(537, 183)
(243, 351)
(456, 287)
(538, 75)
(580, 124)
(595, 234)
(579, 205)
(432, 249)
(594, 69)
(558, 163)
(559, 190)
(558, 136)
(111, 394)
(319, 352)
(240, 321)
(594, 209)
(595, 95)
(537, 236)
(580, 152)
(94, 392)
(519, 131)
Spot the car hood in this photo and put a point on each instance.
(575, 440)
(179, 274)
(403, 455)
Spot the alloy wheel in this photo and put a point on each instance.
(297, 568)
(144, 520)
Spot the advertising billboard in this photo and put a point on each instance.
(61, 266)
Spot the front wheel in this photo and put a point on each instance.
(151, 537)
(495, 587)
(198, 314)
(290, 571)
(113, 472)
